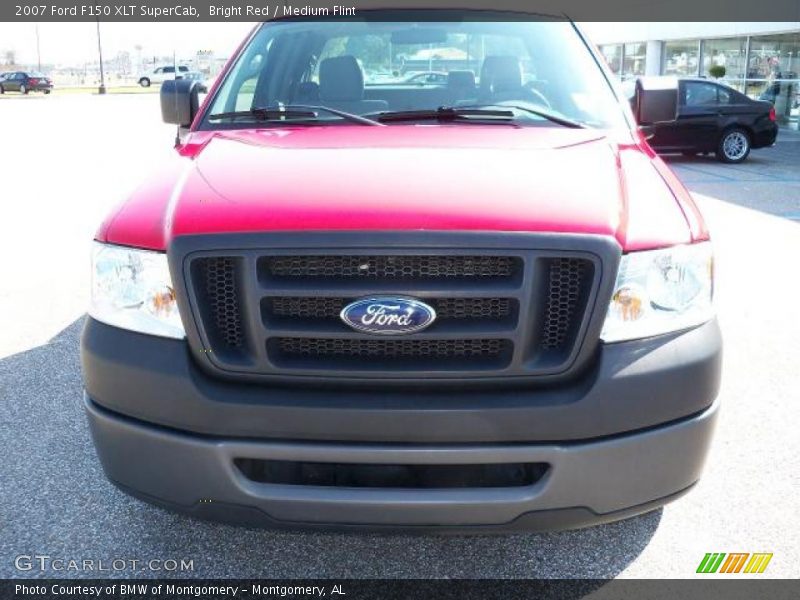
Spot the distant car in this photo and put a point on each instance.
(25, 82)
(161, 74)
(702, 116)
(427, 77)
(200, 78)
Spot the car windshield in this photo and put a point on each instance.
(372, 67)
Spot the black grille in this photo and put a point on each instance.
(567, 290)
(218, 287)
(391, 348)
(395, 267)
(502, 312)
(446, 308)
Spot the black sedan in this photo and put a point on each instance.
(25, 82)
(694, 116)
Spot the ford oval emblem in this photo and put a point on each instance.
(388, 315)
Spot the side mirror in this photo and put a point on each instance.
(179, 101)
(655, 100)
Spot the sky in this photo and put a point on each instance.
(76, 43)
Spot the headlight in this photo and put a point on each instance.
(132, 289)
(659, 291)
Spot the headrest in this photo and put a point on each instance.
(340, 78)
(501, 73)
(459, 80)
(307, 91)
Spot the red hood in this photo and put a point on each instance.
(487, 178)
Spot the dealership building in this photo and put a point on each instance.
(760, 59)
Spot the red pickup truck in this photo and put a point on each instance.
(350, 300)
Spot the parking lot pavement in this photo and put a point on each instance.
(74, 157)
(769, 181)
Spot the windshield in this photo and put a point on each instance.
(542, 68)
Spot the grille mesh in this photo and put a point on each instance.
(566, 285)
(446, 308)
(392, 348)
(404, 267)
(472, 308)
(219, 276)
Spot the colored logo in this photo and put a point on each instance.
(734, 562)
(387, 315)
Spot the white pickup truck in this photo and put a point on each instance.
(161, 74)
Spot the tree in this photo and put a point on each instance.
(373, 50)
(10, 57)
(717, 71)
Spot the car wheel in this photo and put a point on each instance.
(47, 91)
(23, 89)
(144, 82)
(734, 146)
(2, 91)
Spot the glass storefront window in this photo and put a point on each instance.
(633, 60)
(729, 53)
(774, 55)
(625, 60)
(773, 74)
(681, 58)
(613, 56)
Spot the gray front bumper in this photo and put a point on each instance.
(631, 386)
(588, 482)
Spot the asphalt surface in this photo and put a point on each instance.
(65, 161)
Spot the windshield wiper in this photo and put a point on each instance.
(293, 111)
(446, 113)
(265, 114)
(553, 118)
(334, 111)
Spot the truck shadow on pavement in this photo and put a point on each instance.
(60, 504)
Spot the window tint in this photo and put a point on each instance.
(700, 94)
(724, 96)
(169, 69)
(183, 69)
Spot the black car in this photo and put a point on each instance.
(694, 116)
(24, 82)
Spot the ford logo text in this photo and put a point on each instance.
(386, 315)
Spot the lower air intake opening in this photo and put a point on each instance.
(353, 475)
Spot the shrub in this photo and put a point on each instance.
(716, 71)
